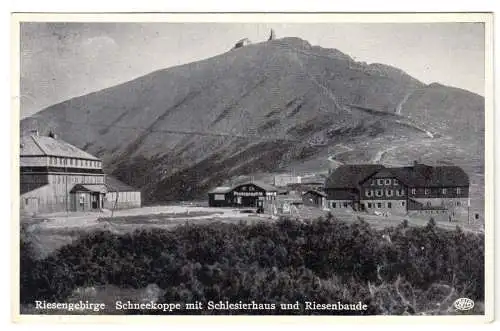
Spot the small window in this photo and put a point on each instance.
(373, 182)
(395, 182)
(428, 203)
(387, 181)
(402, 203)
(389, 205)
(379, 193)
(369, 193)
(413, 191)
(379, 205)
(345, 204)
(334, 205)
(369, 205)
(389, 193)
(219, 197)
(458, 203)
(443, 191)
(426, 191)
(459, 191)
(380, 182)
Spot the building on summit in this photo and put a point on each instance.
(57, 176)
(417, 189)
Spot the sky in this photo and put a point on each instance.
(63, 60)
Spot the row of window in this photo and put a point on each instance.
(444, 191)
(74, 162)
(383, 204)
(437, 211)
(249, 188)
(401, 192)
(388, 193)
(340, 205)
(368, 205)
(385, 181)
(61, 179)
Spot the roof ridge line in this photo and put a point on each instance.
(39, 146)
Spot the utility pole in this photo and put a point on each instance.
(116, 202)
(468, 210)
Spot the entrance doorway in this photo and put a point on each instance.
(95, 200)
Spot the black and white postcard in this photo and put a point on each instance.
(254, 165)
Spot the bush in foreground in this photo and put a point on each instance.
(395, 271)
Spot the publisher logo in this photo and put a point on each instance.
(463, 304)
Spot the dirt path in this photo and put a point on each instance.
(331, 158)
(377, 158)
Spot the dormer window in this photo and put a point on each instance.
(387, 181)
(369, 193)
(380, 182)
(395, 182)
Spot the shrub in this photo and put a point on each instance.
(326, 260)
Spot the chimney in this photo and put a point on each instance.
(52, 134)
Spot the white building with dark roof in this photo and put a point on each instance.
(417, 189)
(120, 195)
(57, 176)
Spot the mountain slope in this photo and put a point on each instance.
(177, 132)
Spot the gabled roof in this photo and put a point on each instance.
(101, 188)
(421, 175)
(221, 189)
(350, 175)
(114, 185)
(34, 145)
(418, 175)
(264, 186)
(312, 180)
(316, 192)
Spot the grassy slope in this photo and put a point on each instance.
(177, 132)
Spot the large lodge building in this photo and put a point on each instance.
(57, 176)
(403, 190)
(371, 188)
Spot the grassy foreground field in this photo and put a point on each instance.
(397, 270)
